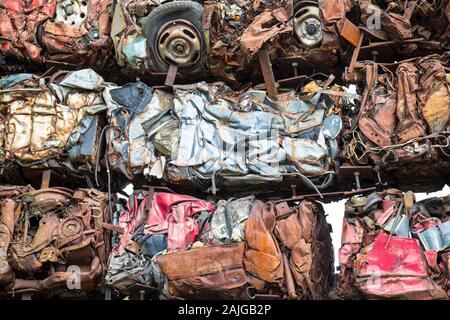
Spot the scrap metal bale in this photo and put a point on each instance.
(403, 121)
(63, 32)
(208, 137)
(53, 241)
(8, 219)
(51, 124)
(393, 248)
(240, 248)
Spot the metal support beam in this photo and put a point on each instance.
(46, 175)
(171, 75)
(269, 78)
(357, 180)
(355, 54)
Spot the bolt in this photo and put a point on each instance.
(179, 48)
(294, 190)
(69, 10)
(311, 29)
(357, 181)
(374, 55)
(295, 66)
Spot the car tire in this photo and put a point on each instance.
(187, 10)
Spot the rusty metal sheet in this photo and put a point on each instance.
(350, 32)
(205, 272)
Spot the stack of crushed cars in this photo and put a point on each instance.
(59, 123)
(53, 242)
(352, 90)
(203, 136)
(394, 248)
(177, 246)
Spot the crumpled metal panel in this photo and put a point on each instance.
(73, 32)
(227, 222)
(173, 214)
(388, 250)
(125, 270)
(405, 20)
(263, 257)
(218, 134)
(212, 272)
(168, 214)
(436, 238)
(281, 249)
(48, 235)
(395, 268)
(128, 147)
(238, 31)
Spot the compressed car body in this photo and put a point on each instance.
(50, 124)
(62, 32)
(378, 30)
(206, 136)
(403, 121)
(219, 39)
(240, 248)
(53, 241)
(393, 248)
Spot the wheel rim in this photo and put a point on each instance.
(307, 24)
(179, 42)
(71, 12)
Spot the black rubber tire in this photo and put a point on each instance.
(187, 10)
(298, 1)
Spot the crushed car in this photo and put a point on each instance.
(177, 246)
(330, 36)
(210, 138)
(394, 247)
(402, 125)
(219, 39)
(51, 123)
(61, 33)
(53, 242)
